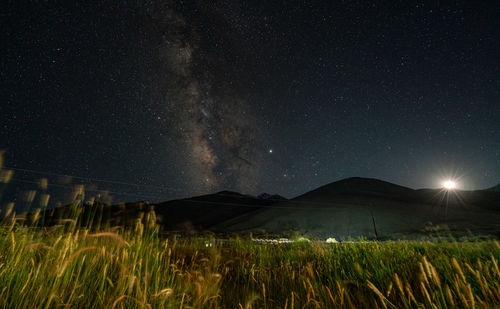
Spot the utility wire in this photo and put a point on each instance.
(93, 179)
(258, 206)
(192, 200)
(90, 190)
(162, 187)
(207, 202)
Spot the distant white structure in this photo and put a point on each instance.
(331, 240)
(273, 241)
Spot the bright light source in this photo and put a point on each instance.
(449, 185)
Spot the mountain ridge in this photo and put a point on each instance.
(342, 209)
(495, 188)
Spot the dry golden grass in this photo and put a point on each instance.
(86, 263)
(135, 268)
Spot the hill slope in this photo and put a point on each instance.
(195, 214)
(495, 188)
(369, 207)
(351, 207)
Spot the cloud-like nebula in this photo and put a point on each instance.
(216, 130)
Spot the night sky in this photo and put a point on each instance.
(183, 98)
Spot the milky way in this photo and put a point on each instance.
(217, 130)
(181, 98)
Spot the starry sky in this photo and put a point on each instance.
(188, 97)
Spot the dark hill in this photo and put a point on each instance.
(495, 188)
(274, 197)
(359, 186)
(351, 207)
(195, 214)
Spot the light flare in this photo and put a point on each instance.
(449, 185)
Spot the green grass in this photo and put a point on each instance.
(84, 262)
(68, 265)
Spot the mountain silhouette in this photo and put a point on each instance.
(495, 188)
(364, 207)
(349, 208)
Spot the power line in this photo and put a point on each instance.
(93, 179)
(90, 190)
(195, 201)
(110, 181)
(257, 206)
(168, 188)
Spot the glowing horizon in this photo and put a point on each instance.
(449, 185)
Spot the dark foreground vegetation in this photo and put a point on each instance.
(69, 265)
(85, 257)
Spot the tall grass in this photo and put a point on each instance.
(134, 268)
(83, 261)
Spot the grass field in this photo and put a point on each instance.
(82, 262)
(71, 266)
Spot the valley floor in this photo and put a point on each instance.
(66, 266)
